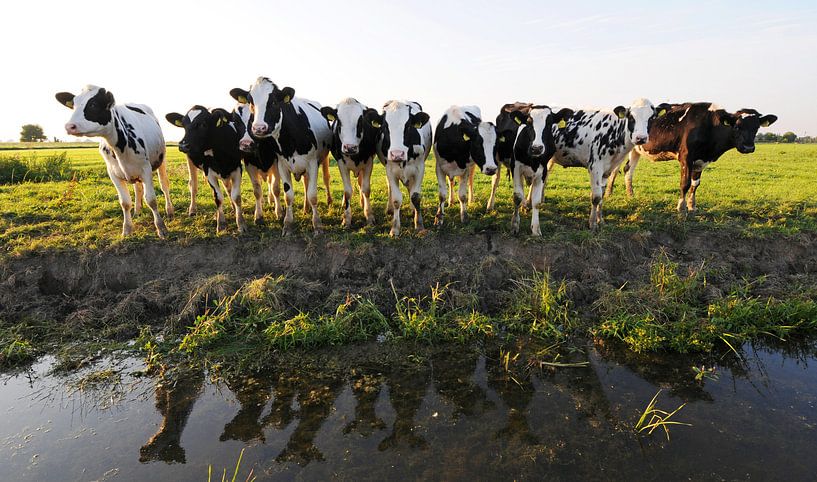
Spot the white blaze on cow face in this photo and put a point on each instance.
(261, 94)
(539, 116)
(640, 114)
(350, 112)
(245, 143)
(92, 113)
(487, 132)
(397, 115)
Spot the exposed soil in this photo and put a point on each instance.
(154, 283)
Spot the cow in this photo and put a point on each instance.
(354, 146)
(532, 148)
(211, 144)
(132, 147)
(599, 141)
(404, 143)
(506, 124)
(462, 142)
(301, 136)
(697, 134)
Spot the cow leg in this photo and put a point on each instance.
(610, 182)
(312, 196)
(695, 182)
(138, 196)
(365, 181)
(686, 182)
(164, 182)
(443, 184)
(518, 197)
(326, 180)
(465, 195)
(274, 180)
(235, 198)
(360, 187)
(306, 189)
(193, 185)
(218, 197)
(346, 217)
(550, 166)
(494, 185)
(450, 191)
(537, 186)
(123, 191)
(395, 198)
(597, 193)
(289, 196)
(389, 204)
(257, 192)
(415, 188)
(471, 184)
(150, 198)
(526, 202)
(629, 171)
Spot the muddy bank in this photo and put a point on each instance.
(154, 283)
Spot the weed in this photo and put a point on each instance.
(652, 418)
(250, 476)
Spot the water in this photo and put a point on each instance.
(445, 414)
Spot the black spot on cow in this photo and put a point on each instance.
(136, 109)
(209, 141)
(98, 108)
(286, 187)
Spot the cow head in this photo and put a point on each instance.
(199, 125)
(744, 125)
(243, 117)
(537, 129)
(483, 141)
(266, 101)
(349, 121)
(400, 126)
(92, 111)
(640, 116)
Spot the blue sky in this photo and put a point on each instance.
(171, 55)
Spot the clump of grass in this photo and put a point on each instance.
(17, 168)
(669, 313)
(250, 476)
(540, 307)
(16, 351)
(652, 418)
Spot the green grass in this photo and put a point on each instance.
(771, 191)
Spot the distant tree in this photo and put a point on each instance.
(32, 133)
(789, 137)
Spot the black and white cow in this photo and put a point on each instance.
(354, 145)
(132, 146)
(507, 124)
(211, 144)
(600, 141)
(532, 149)
(697, 134)
(462, 142)
(302, 138)
(404, 143)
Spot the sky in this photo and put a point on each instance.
(171, 55)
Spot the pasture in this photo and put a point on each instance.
(769, 192)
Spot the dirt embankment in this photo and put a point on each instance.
(151, 284)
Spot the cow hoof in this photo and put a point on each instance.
(259, 221)
(169, 213)
(464, 218)
(329, 200)
(370, 221)
(161, 232)
(318, 232)
(422, 232)
(630, 193)
(191, 212)
(394, 232)
(286, 231)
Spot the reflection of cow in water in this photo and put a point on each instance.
(366, 383)
(516, 392)
(453, 378)
(407, 388)
(252, 393)
(174, 401)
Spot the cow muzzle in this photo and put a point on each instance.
(246, 145)
(260, 130)
(489, 171)
(184, 147)
(746, 149)
(536, 150)
(397, 155)
(350, 148)
(71, 129)
(640, 140)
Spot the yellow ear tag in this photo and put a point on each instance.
(518, 120)
(622, 115)
(331, 118)
(287, 99)
(178, 123)
(765, 124)
(242, 99)
(726, 122)
(502, 139)
(221, 121)
(70, 104)
(465, 137)
(562, 124)
(662, 112)
(376, 124)
(418, 125)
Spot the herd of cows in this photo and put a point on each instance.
(277, 135)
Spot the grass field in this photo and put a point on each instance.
(770, 191)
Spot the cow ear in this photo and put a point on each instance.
(519, 117)
(620, 111)
(419, 119)
(767, 120)
(373, 118)
(662, 110)
(287, 93)
(240, 95)
(222, 120)
(109, 98)
(66, 99)
(562, 117)
(329, 113)
(175, 118)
